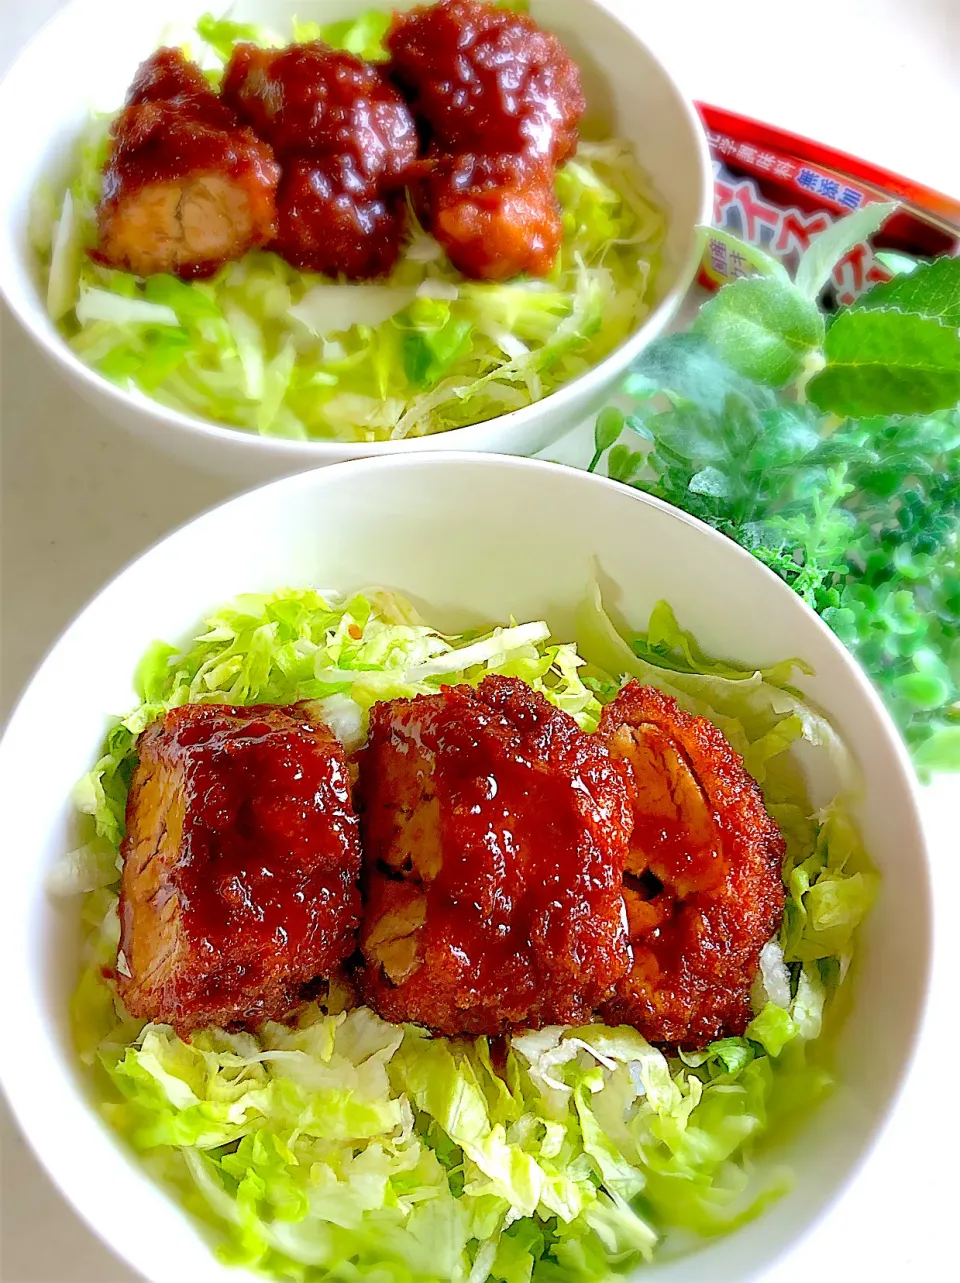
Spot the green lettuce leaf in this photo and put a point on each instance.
(346, 655)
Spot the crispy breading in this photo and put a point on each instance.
(703, 886)
(495, 215)
(240, 865)
(185, 188)
(494, 835)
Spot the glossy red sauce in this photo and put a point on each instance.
(176, 134)
(329, 222)
(269, 854)
(310, 99)
(523, 919)
(686, 861)
(486, 79)
(166, 142)
(675, 863)
(496, 215)
(174, 126)
(167, 76)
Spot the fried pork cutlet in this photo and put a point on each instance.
(185, 188)
(240, 866)
(494, 835)
(480, 77)
(702, 886)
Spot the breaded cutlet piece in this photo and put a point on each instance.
(494, 835)
(240, 865)
(186, 188)
(703, 885)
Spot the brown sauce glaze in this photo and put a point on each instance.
(496, 215)
(167, 76)
(484, 79)
(332, 221)
(240, 865)
(185, 189)
(499, 101)
(268, 823)
(495, 830)
(312, 99)
(348, 144)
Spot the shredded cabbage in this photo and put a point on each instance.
(270, 349)
(344, 1147)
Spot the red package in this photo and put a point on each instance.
(777, 191)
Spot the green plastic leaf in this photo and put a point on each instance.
(624, 464)
(884, 361)
(925, 690)
(713, 482)
(763, 327)
(609, 426)
(688, 366)
(762, 262)
(830, 246)
(941, 752)
(896, 264)
(931, 290)
(860, 518)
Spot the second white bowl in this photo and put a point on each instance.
(89, 52)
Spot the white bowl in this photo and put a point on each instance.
(470, 539)
(87, 55)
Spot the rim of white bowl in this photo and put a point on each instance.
(15, 1076)
(465, 438)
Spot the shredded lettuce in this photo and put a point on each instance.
(270, 349)
(300, 644)
(345, 1147)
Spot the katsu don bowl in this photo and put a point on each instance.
(455, 868)
(259, 294)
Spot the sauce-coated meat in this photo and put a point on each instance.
(501, 100)
(494, 836)
(483, 78)
(348, 144)
(702, 886)
(184, 189)
(240, 865)
(310, 98)
(330, 220)
(496, 216)
(167, 76)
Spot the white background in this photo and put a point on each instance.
(878, 78)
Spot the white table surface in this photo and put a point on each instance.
(879, 78)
